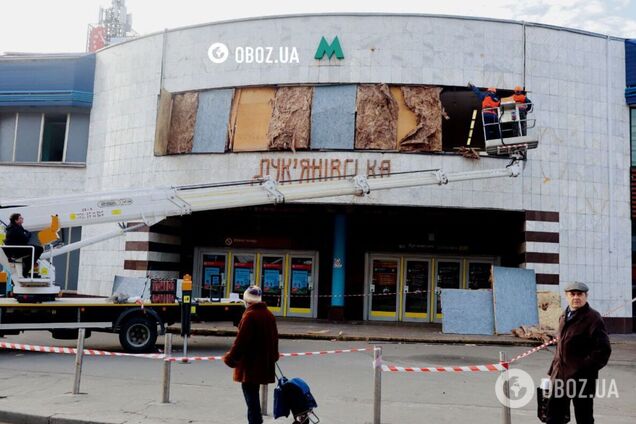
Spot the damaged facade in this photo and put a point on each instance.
(396, 101)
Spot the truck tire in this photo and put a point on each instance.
(138, 334)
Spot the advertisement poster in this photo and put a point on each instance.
(242, 278)
(271, 280)
(211, 277)
(300, 282)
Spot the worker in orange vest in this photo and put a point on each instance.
(490, 110)
(524, 105)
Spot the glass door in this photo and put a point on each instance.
(479, 275)
(417, 277)
(271, 281)
(213, 274)
(242, 272)
(383, 288)
(448, 276)
(301, 298)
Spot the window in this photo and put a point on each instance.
(43, 137)
(632, 133)
(53, 137)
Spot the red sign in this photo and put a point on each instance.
(96, 38)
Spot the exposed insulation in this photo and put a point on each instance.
(425, 103)
(250, 117)
(291, 119)
(549, 304)
(162, 128)
(182, 121)
(376, 122)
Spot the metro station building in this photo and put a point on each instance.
(309, 97)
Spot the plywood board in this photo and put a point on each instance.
(253, 111)
(291, 119)
(162, 127)
(213, 116)
(515, 298)
(407, 120)
(131, 287)
(467, 312)
(333, 117)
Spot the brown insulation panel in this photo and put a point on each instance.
(182, 120)
(291, 119)
(162, 127)
(376, 121)
(425, 103)
(250, 117)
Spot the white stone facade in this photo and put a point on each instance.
(576, 81)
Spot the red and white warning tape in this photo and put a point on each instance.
(73, 351)
(92, 352)
(466, 368)
(326, 352)
(282, 355)
(533, 350)
(192, 358)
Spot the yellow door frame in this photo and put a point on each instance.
(422, 316)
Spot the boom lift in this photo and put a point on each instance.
(151, 205)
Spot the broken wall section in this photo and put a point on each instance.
(182, 121)
(376, 120)
(290, 125)
(425, 103)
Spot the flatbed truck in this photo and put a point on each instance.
(137, 325)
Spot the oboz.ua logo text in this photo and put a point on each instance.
(219, 52)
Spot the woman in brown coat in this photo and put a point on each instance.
(254, 352)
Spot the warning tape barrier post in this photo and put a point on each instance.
(506, 413)
(79, 356)
(165, 398)
(377, 384)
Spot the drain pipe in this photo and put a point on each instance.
(610, 167)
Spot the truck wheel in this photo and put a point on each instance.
(138, 334)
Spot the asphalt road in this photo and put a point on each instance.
(342, 384)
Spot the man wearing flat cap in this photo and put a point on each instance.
(582, 350)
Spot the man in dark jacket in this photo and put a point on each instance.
(254, 352)
(582, 350)
(18, 236)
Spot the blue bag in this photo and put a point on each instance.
(281, 408)
(293, 395)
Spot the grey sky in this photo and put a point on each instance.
(61, 25)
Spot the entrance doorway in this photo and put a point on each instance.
(288, 278)
(409, 287)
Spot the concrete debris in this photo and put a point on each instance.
(291, 119)
(425, 102)
(468, 152)
(182, 121)
(376, 121)
(535, 333)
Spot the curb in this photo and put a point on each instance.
(21, 418)
(383, 339)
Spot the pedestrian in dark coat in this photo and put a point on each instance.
(254, 352)
(18, 236)
(582, 350)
